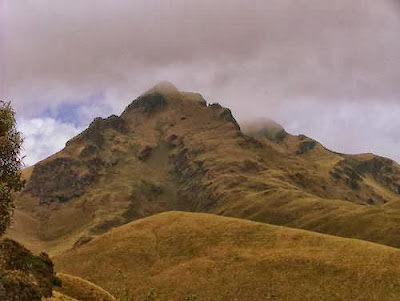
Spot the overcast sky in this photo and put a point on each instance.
(327, 69)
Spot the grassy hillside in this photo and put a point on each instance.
(81, 289)
(59, 297)
(170, 150)
(218, 258)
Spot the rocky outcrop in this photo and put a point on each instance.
(146, 104)
(383, 170)
(60, 180)
(94, 133)
(224, 114)
(305, 146)
(190, 174)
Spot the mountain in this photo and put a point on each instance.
(178, 254)
(172, 151)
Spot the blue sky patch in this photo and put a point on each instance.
(80, 112)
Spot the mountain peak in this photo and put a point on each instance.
(159, 97)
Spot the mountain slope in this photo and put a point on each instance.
(81, 289)
(220, 258)
(170, 150)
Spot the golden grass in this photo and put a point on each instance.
(219, 258)
(81, 289)
(59, 297)
(27, 172)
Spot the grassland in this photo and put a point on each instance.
(81, 289)
(218, 258)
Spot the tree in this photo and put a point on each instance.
(10, 164)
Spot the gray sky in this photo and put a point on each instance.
(328, 69)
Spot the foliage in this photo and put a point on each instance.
(24, 276)
(10, 163)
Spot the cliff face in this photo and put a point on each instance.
(170, 150)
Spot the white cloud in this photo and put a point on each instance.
(347, 127)
(43, 137)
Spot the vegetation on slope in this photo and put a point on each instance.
(218, 258)
(23, 276)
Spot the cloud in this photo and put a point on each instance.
(259, 57)
(349, 128)
(44, 136)
(332, 50)
(80, 111)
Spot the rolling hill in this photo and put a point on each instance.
(171, 150)
(178, 254)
